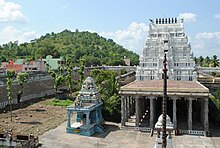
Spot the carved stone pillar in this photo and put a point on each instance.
(206, 114)
(87, 119)
(190, 113)
(122, 111)
(97, 116)
(174, 113)
(152, 99)
(137, 108)
(128, 108)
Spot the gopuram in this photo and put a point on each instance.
(187, 104)
(88, 109)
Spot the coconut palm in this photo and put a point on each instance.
(215, 61)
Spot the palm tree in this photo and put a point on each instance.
(21, 79)
(215, 61)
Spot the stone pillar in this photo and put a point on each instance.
(137, 112)
(122, 111)
(128, 107)
(68, 119)
(140, 108)
(174, 113)
(97, 116)
(152, 112)
(126, 110)
(87, 119)
(206, 114)
(133, 105)
(190, 114)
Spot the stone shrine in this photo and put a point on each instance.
(88, 109)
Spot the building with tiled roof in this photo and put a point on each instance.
(187, 104)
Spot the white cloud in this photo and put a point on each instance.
(209, 36)
(10, 11)
(132, 38)
(188, 17)
(10, 33)
(217, 16)
(206, 44)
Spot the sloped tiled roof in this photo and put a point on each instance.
(172, 86)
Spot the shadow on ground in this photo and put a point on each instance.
(32, 122)
(110, 127)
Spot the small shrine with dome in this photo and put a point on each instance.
(169, 129)
(87, 110)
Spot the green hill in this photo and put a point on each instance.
(96, 50)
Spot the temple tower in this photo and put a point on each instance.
(166, 34)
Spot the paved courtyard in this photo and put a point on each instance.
(113, 137)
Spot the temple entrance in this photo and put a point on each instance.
(182, 113)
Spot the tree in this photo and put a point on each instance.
(206, 62)
(58, 79)
(9, 77)
(81, 72)
(69, 80)
(21, 79)
(215, 61)
(108, 89)
(200, 60)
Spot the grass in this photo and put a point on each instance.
(56, 102)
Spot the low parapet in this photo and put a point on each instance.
(166, 20)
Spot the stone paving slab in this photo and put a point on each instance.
(116, 138)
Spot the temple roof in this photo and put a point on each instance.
(173, 87)
(88, 95)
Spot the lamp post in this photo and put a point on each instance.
(164, 104)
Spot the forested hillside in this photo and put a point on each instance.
(95, 49)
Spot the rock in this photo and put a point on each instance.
(41, 106)
(17, 118)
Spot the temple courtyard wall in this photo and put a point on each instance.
(41, 85)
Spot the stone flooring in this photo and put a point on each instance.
(113, 137)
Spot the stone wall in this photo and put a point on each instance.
(32, 90)
(41, 85)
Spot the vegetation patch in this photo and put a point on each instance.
(108, 87)
(56, 102)
(215, 106)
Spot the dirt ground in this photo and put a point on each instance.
(34, 119)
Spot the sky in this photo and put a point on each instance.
(124, 21)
